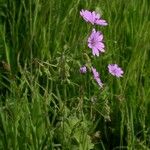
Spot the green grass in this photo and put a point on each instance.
(45, 103)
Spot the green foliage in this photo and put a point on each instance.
(45, 103)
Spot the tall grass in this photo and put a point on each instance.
(46, 104)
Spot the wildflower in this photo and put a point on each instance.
(96, 77)
(83, 69)
(115, 70)
(92, 17)
(95, 42)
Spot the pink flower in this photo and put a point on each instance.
(92, 17)
(95, 42)
(115, 70)
(83, 69)
(96, 77)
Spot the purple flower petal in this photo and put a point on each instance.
(101, 22)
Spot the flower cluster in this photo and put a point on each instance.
(95, 42)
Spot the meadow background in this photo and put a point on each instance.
(46, 104)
